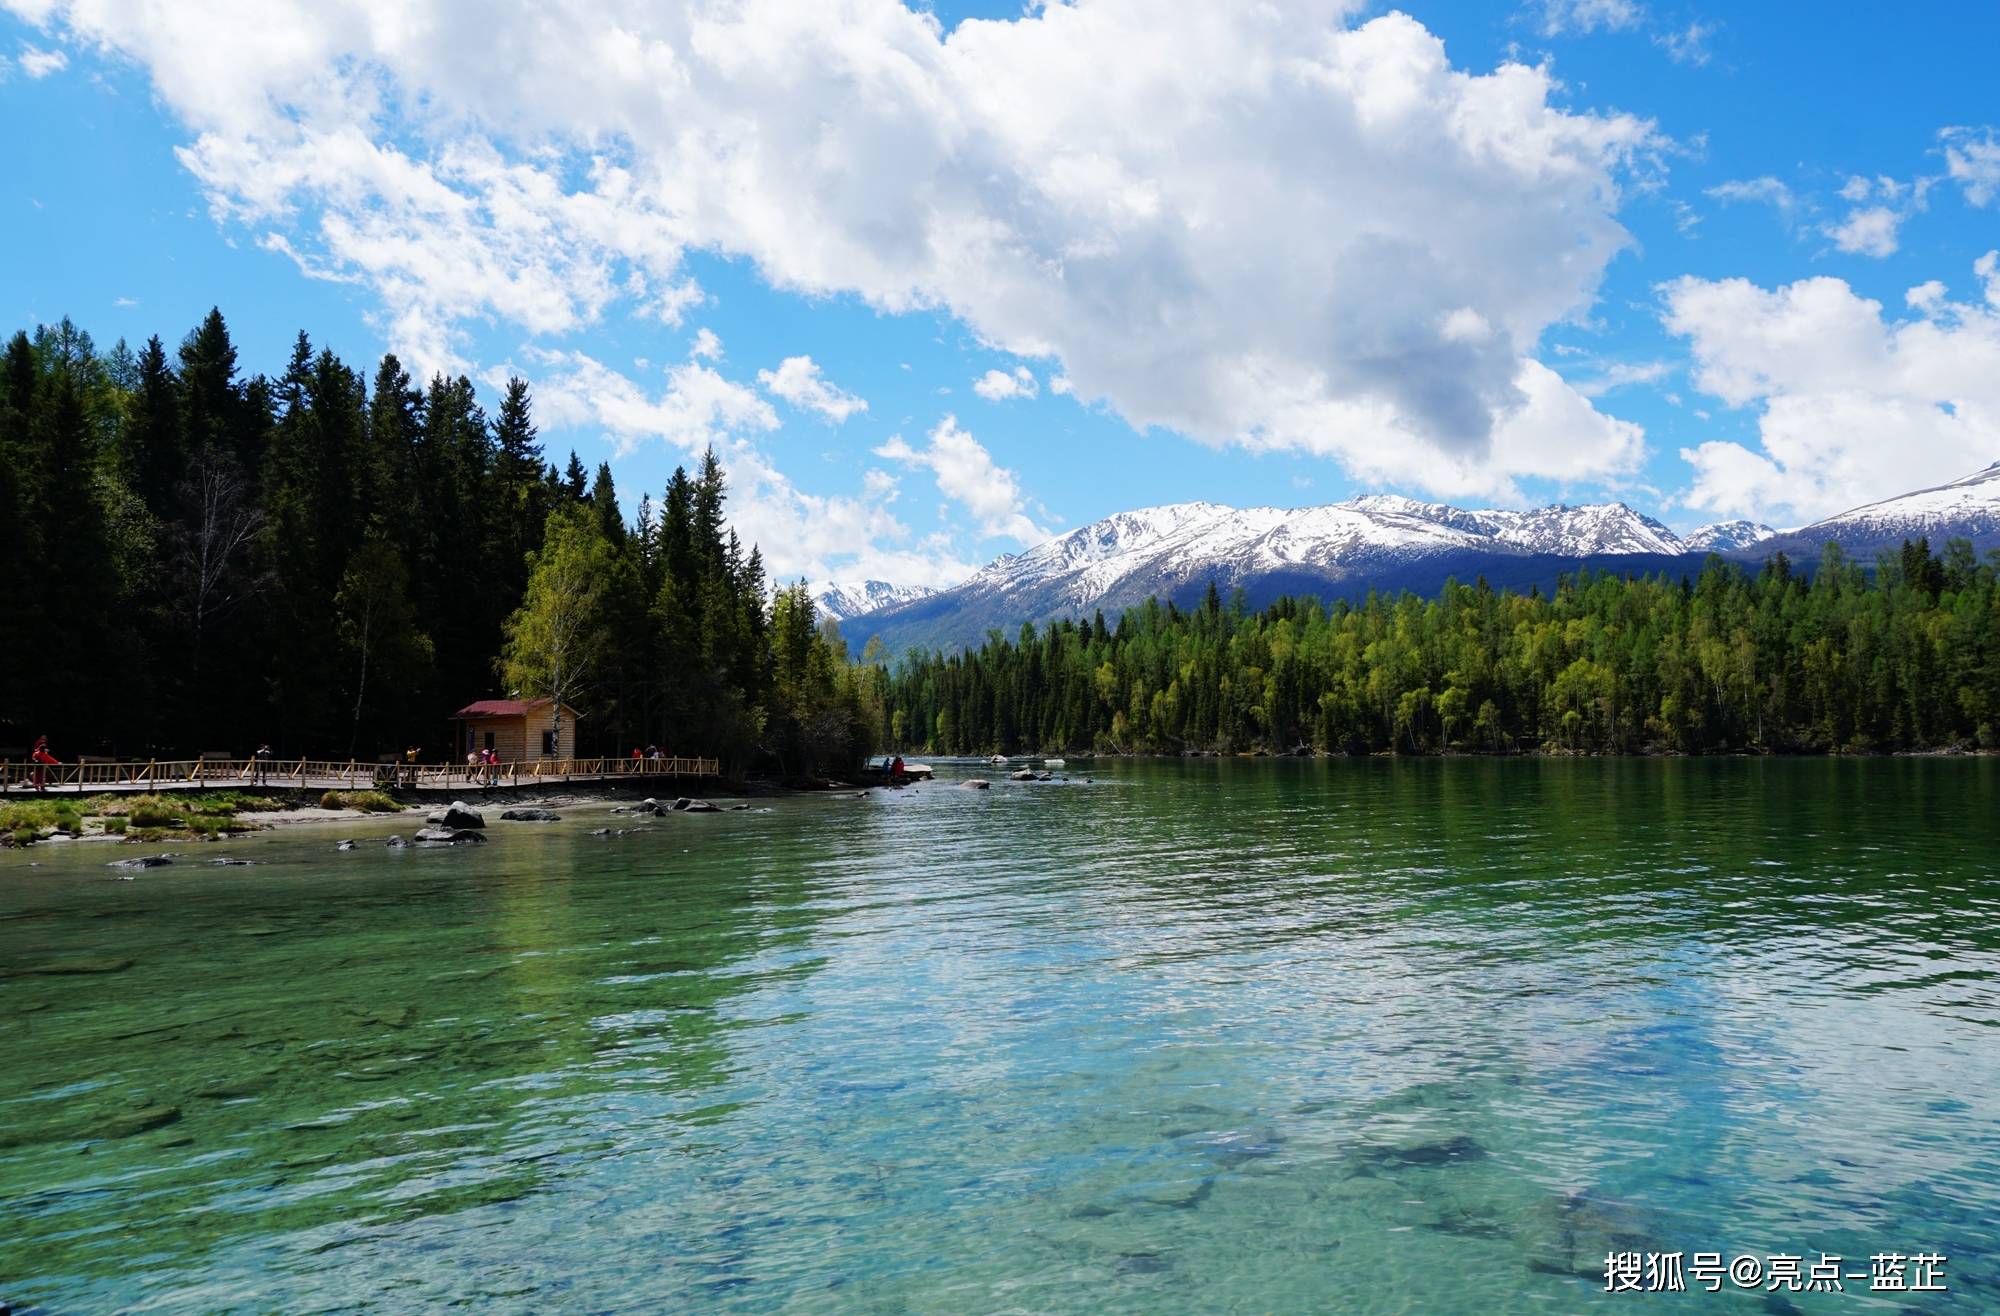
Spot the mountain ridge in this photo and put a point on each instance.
(1373, 541)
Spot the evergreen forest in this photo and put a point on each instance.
(202, 560)
(1899, 655)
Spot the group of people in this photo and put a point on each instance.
(482, 765)
(652, 754)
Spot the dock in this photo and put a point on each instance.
(212, 772)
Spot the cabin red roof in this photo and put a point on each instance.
(504, 708)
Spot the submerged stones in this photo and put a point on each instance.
(144, 1120)
(449, 836)
(228, 861)
(142, 861)
(72, 968)
(1458, 1150)
(686, 805)
(530, 815)
(1025, 774)
(396, 843)
(974, 784)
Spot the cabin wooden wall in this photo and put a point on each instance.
(518, 739)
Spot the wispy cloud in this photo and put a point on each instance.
(1688, 45)
(38, 63)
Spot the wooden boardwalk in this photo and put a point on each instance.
(100, 776)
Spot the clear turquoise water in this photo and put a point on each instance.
(1373, 1037)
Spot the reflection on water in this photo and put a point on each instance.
(1378, 1036)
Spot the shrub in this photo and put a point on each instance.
(116, 826)
(26, 835)
(152, 811)
(69, 820)
(365, 801)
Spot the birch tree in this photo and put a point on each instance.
(556, 638)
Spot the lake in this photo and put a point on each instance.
(1373, 1036)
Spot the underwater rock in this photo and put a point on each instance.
(139, 1121)
(345, 845)
(1457, 1150)
(530, 815)
(142, 861)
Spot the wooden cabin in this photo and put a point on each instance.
(518, 730)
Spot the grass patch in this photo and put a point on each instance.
(116, 826)
(213, 804)
(365, 801)
(35, 814)
(25, 834)
(152, 811)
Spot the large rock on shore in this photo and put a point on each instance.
(448, 836)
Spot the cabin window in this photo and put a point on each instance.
(548, 744)
(489, 740)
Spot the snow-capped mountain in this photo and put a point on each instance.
(851, 600)
(1966, 508)
(1381, 541)
(1727, 536)
(1163, 548)
(1173, 552)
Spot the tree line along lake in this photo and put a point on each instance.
(1362, 1035)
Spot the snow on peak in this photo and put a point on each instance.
(841, 601)
(1727, 536)
(1967, 506)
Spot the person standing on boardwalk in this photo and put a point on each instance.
(43, 759)
(260, 762)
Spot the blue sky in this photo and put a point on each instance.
(1250, 262)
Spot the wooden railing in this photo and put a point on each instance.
(351, 773)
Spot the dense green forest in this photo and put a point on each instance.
(1905, 656)
(201, 560)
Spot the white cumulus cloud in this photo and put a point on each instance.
(1003, 386)
(1851, 404)
(798, 381)
(967, 474)
(1247, 223)
(1867, 231)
